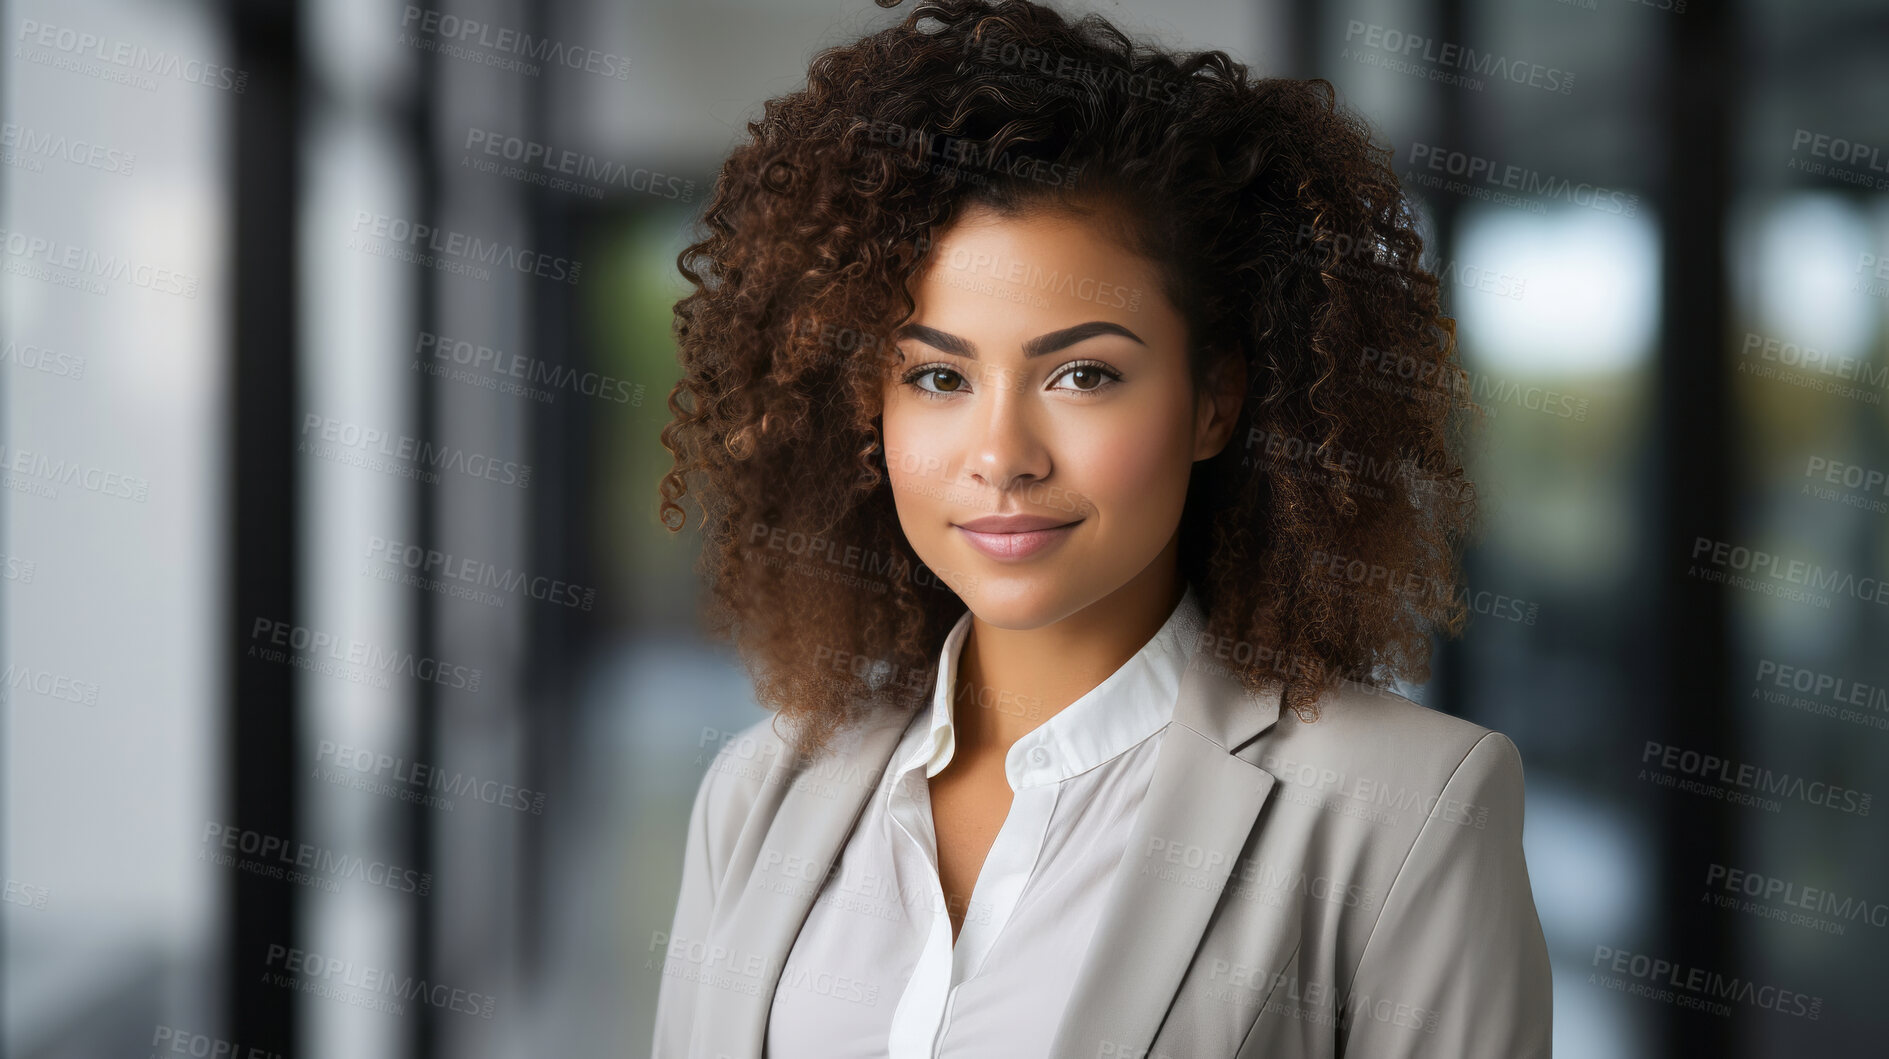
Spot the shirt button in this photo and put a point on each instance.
(1039, 756)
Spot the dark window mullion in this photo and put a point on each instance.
(1693, 489)
(263, 706)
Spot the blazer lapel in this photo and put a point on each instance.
(819, 804)
(1201, 803)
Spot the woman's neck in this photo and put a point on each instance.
(1010, 681)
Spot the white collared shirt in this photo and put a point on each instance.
(874, 972)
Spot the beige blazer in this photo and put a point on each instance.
(1350, 887)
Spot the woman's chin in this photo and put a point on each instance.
(1017, 601)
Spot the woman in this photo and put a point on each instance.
(1062, 363)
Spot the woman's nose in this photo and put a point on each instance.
(1008, 440)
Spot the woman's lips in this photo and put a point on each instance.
(1019, 545)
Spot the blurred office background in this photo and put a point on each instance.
(250, 441)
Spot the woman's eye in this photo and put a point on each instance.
(944, 379)
(1088, 378)
(939, 380)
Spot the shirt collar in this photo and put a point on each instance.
(1132, 704)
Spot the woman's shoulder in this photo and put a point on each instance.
(1362, 722)
(1375, 752)
(762, 758)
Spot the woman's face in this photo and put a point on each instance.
(1042, 381)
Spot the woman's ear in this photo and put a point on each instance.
(1217, 407)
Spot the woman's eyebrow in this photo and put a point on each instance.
(1035, 347)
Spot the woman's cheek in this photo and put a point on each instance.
(903, 461)
(1129, 473)
(917, 489)
(908, 495)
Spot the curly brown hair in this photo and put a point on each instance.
(1324, 547)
